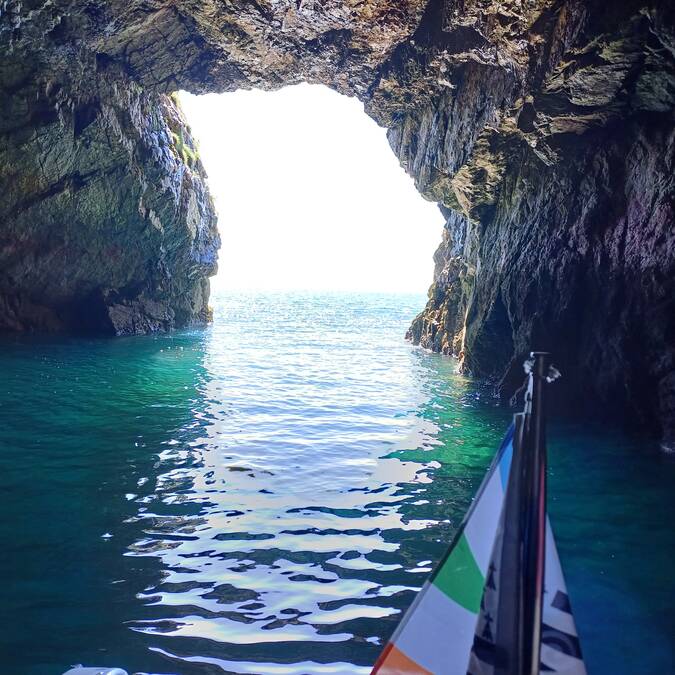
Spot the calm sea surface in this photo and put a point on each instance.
(265, 496)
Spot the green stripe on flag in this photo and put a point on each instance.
(460, 578)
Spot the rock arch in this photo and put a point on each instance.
(544, 128)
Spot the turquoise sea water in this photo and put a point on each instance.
(265, 495)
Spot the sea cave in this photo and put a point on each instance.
(543, 130)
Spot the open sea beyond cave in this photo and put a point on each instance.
(266, 495)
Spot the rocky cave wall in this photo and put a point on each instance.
(106, 221)
(543, 128)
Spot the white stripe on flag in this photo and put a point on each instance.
(559, 620)
(554, 582)
(562, 621)
(481, 529)
(561, 663)
(439, 635)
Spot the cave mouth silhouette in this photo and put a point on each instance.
(309, 194)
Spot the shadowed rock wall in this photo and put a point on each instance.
(561, 235)
(543, 128)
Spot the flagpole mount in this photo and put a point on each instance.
(539, 364)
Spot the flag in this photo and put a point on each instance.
(437, 632)
(461, 620)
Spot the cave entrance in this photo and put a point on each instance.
(309, 194)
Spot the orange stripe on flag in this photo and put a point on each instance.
(393, 661)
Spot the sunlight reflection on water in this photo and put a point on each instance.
(300, 498)
(266, 496)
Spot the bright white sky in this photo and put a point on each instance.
(310, 195)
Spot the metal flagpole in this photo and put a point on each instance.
(534, 545)
(521, 557)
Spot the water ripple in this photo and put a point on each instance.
(267, 495)
(299, 482)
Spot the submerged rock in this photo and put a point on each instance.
(543, 128)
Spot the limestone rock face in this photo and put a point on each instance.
(543, 128)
